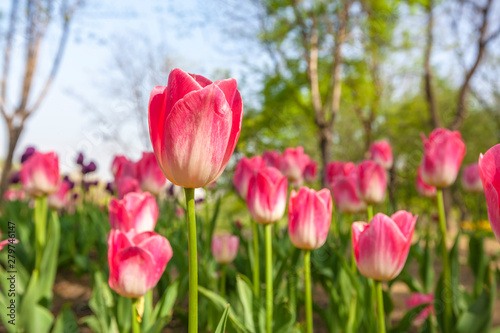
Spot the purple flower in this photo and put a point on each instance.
(91, 167)
(15, 178)
(27, 154)
(79, 159)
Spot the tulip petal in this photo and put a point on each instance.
(357, 229)
(493, 205)
(157, 102)
(161, 251)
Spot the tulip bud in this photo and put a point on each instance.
(137, 211)
(245, 169)
(489, 171)
(372, 180)
(337, 169)
(40, 174)
(272, 158)
(194, 125)
(225, 248)
(267, 192)
(417, 299)
(136, 261)
(381, 153)
(311, 172)
(293, 163)
(149, 174)
(424, 189)
(471, 180)
(60, 198)
(381, 247)
(309, 217)
(443, 155)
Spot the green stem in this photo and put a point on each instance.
(353, 257)
(256, 261)
(193, 262)
(269, 277)
(380, 307)
(223, 280)
(40, 218)
(369, 211)
(136, 326)
(307, 281)
(446, 264)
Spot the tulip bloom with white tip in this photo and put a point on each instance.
(443, 155)
(40, 174)
(489, 170)
(293, 162)
(381, 153)
(137, 211)
(423, 188)
(225, 248)
(267, 192)
(381, 247)
(372, 179)
(245, 169)
(337, 169)
(136, 261)
(471, 181)
(194, 125)
(311, 171)
(149, 175)
(309, 217)
(60, 198)
(272, 158)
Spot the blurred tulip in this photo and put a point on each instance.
(60, 198)
(149, 174)
(127, 185)
(194, 125)
(137, 211)
(244, 170)
(424, 189)
(345, 189)
(293, 163)
(267, 193)
(40, 174)
(80, 159)
(136, 261)
(471, 180)
(27, 154)
(179, 212)
(381, 247)
(7, 242)
(15, 177)
(381, 153)
(443, 155)
(69, 181)
(90, 167)
(14, 195)
(337, 169)
(372, 178)
(309, 217)
(272, 158)
(311, 172)
(489, 171)
(122, 167)
(225, 248)
(415, 300)
(110, 188)
(88, 184)
(174, 191)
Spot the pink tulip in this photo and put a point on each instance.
(272, 158)
(225, 248)
(443, 155)
(40, 174)
(136, 261)
(372, 178)
(267, 192)
(424, 189)
(415, 300)
(122, 167)
(347, 199)
(381, 152)
(149, 175)
(137, 211)
(7, 241)
(471, 180)
(194, 125)
(127, 185)
(337, 169)
(245, 169)
(293, 163)
(14, 195)
(311, 171)
(60, 198)
(309, 217)
(489, 171)
(381, 247)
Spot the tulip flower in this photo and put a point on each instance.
(415, 300)
(381, 247)
(88, 168)
(311, 171)
(79, 159)
(267, 192)
(60, 198)
(225, 248)
(489, 171)
(194, 125)
(40, 174)
(7, 242)
(14, 195)
(137, 211)
(15, 177)
(337, 169)
(293, 163)
(372, 180)
(443, 155)
(149, 175)
(122, 167)
(245, 169)
(471, 180)
(136, 261)
(127, 185)
(381, 153)
(272, 158)
(424, 189)
(345, 193)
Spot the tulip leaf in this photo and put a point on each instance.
(221, 327)
(245, 295)
(66, 322)
(49, 259)
(404, 324)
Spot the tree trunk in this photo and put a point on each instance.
(14, 134)
(325, 144)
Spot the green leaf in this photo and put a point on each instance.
(48, 266)
(245, 295)
(405, 324)
(221, 327)
(66, 321)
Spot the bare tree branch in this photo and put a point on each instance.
(6, 59)
(429, 91)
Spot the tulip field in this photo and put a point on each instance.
(196, 237)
